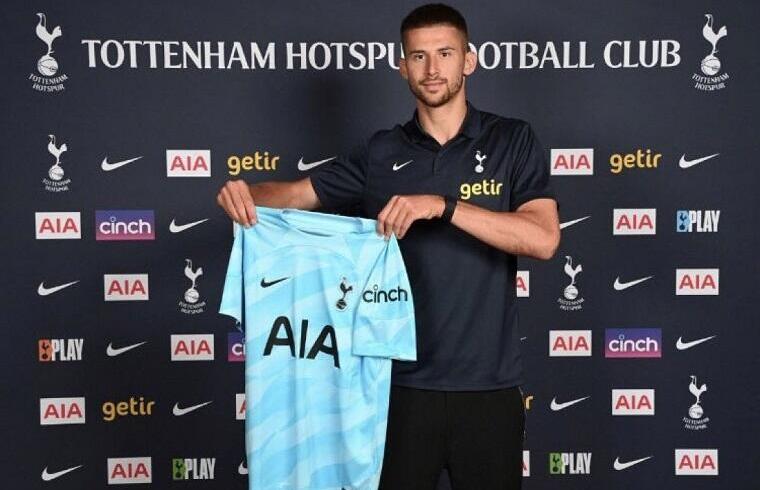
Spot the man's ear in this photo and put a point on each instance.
(470, 62)
(402, 68)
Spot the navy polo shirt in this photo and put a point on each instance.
(464, 289)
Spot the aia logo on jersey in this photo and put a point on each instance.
(632, 402)
(570, 343)
(634, 222)
(697, 282)
(239, 406)
(526, 463)
(62, 411)
(129, 470)
(188, 163)
(60, 349)
(696, 462)
(522, 284)
(572, 161)
(125, 287)
(58, 226)
(194, 347)
(235, 347)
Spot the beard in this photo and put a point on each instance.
(450, 89)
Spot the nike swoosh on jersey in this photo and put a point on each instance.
(561, 406)
(620, 286)
(113, 166)
(397, 166)
(242, 469)
(183, 411)
(621, 466)
(265, 284)
(111, 351)
(681, 345)
(43, 291)
(175, 228)
(52, 476)
(308, 166)
(684, 163)
(571, 223)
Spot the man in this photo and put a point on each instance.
(465, 192)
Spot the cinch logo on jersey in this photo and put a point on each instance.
(125, 287)
(192, 347)
(56, 182)
(60, 349)
(325, 343)
(572, 161)
(58, 226)
(634, 222)
(571, 300)
(62, 411)
(632, 402)
(188, 163)
(698, 462)
(235, 347)
(257, 161)
(710, 66)
(522, 284)
(192, 304)
(377, 295)
(526, 463)
(486, 187)
(697, 282)
(193, 468)
(644, 159)
(696, 419)
(129, 470)
(239, 406)
(569, 343)
(633, 342)
(699, 221)
(124, 225)
(47, 66)
(137, 407)
(569, 463)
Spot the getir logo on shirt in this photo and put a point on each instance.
(125, 287)
(188, 163)
(572, 161)
(62, 411)
(697, 462)
(697, 282)
(192, 347)
(569, 343)
(632, 402)
(634, 222)
(129, 470)
(58, 226)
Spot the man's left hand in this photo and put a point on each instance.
(401, 211)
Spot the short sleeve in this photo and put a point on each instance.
(232, 295)
(384, 325)
(341, 182)
(530, 175)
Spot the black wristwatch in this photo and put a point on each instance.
(448, 210)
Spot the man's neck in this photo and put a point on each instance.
(444, 122)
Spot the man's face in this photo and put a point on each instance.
(435, 63)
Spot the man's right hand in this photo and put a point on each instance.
(236, 200)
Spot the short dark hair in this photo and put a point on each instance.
(434, 14)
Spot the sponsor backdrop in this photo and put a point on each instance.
(120, 123)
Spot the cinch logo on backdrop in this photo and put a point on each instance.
(192, 347)
(632, 402)
(697, 282)
(125, 287)
(259, 161)
(58, 226)
(125, 225)
(50, 350)
(193, 468)
(634, 222)
(188, 163)
(235, 347)
(572, 161)
(62, 411)
(699, 221)
(522, 284)
(129, 470)
(698, 462)
(633, 342)
(569, 343)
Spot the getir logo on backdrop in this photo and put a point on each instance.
(129, 470)
(697, 282)
(62, 411)
(125, 225)
(260, 161)
(235, 347)
(188, 163)
(696, 462)
(522, 284)
(633, 342)
(50, 350)
(632, 402)
(572, 161)
(569, 343)
(192, 347)
(239, 406)
(125, 287)
(634, 222)
(641, 159)
(135, 406)
(58, 226)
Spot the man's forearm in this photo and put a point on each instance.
(295, 194)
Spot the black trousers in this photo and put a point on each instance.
(476, 435)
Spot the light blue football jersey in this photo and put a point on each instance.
(327, 305)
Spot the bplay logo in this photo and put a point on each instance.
(188, 163)
(697, 282)
(192, 347)
(55, 181)
(572, 161)
(697, 221)
(240, 406)
(697, 462)
(47, 66)
(193, 468)
(125, 287)
(134, 407)
(633, 342)
(632, 402)
(634, 222)
(235, 347)
(129, 470)
(569, 463)
(57, 225)
(62, 411)
(112, 225)
(259, 161)
(522, 284)
(640, 159)
(50, 350)
(570, 343)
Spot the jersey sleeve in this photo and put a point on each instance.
(530, 176)
(341, 183)
(384, 325)
(232, 295)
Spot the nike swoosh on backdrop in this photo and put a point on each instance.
(265, 284)
(182, 411)
(113, 166)
(52, 476)
(308, 166)
(111, 351)
(684, 163)
(396, 166)
(43, 291)
(561, 406)
(621, 466)
(571, 223)
(620, 286)
(681, 345)
(175, 228)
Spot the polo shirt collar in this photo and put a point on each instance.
(470, 126)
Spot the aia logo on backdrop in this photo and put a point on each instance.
(634, 222)
(632, 402)
(522, 284)
(526, 463)
(129, 470)
(699, 462)
(125, 225)
(125, 287)
(188, 163)
(633, 342)
(62, 411)
(50, 350)
(572, 161)
(570, 343)
(58, 226)
(192, 347)
(697, 282)
(235, 347)
(239, 406)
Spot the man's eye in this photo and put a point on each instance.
(418, 57)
